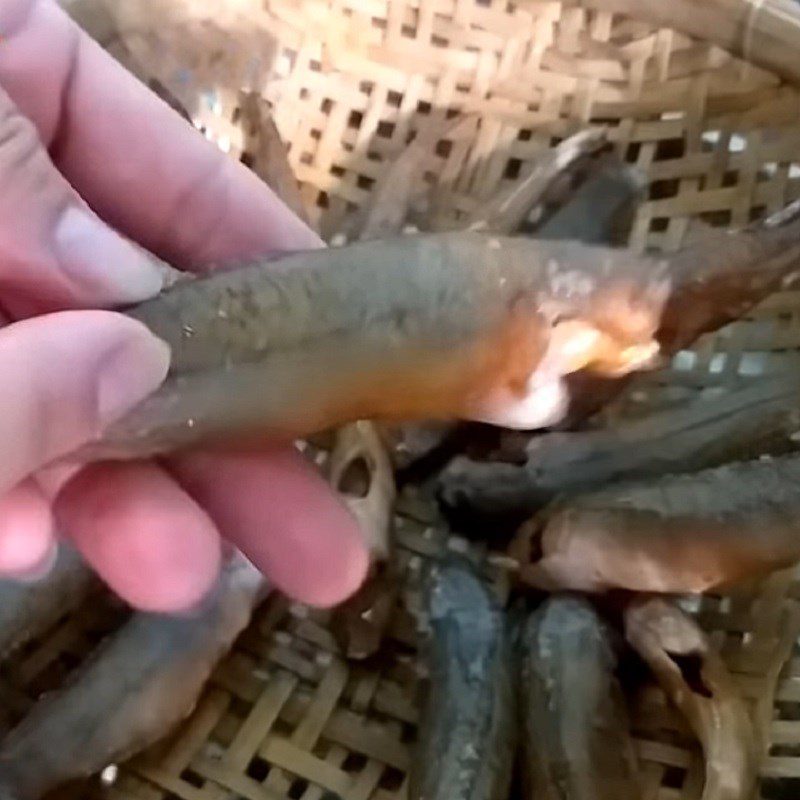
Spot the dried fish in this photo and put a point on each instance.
(360, 470)
(719, 277)
(745, 423)
(29, 609)
(683, 534)
(697, 681)
(437, 326)
(504, 213)
(576, 741)
(724, 274)
(388, 207)
(266, 154)
(467, 730)
(601, 210)
(440, 326)
(134, 689)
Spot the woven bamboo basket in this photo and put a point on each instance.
(285, 716)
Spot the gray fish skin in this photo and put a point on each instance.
(467, 729)
(312, 340)
(29, 609)
(735, 492)
(684, 534)
(746, 423)
(139, 684)
(576, 741)
(602, 208)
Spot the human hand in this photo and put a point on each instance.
(85, 151)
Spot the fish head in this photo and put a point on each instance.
(607, 327)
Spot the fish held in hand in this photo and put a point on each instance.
(451, 326)
(576, 737)
(439, 326)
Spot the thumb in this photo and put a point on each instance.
(55, 253)
(66, 376)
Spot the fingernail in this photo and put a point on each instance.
(104, 268)
(129, 372)
(41, 569)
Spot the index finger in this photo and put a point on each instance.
(141, 167)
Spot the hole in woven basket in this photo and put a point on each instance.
(730, 178)
(424, 107)
(444, 148)
(326, 106)
(192, 778)
(659, 224)
(408, 31)
(684, 360)
(752, 364)
(780, 788)
(394, 98)
(355, 119)
(717, 363)
(784, 751)
(354, 762)
(717, 219)
(691, 667)
(337, 171)
(669, 148)
(513, 167)
(315, 66)
(408, 734)
(788, 710)
(391, 780)
(673, 777)
(258, 769)
(632, 152)
(661, 189)
(385, 129)
(525, 135)
(365, 182)
(297, 788)
(323, 201)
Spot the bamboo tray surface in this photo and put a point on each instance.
(348, 81)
